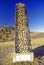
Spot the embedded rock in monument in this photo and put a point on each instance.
(22, 37)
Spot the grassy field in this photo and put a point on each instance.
(7, 49)
(6, 52)
(37, 39)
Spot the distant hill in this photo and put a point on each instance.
(37, 34)
(8, 33)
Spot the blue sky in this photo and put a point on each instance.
(35, 11)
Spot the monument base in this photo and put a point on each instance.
(23, 57)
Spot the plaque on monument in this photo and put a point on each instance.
(22, 37)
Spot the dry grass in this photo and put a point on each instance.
(6, 44)
(36, 41)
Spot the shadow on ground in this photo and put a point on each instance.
(39, 51)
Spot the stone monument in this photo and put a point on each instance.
(22, 37)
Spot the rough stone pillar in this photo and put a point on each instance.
(22, 36)
(22, 40)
